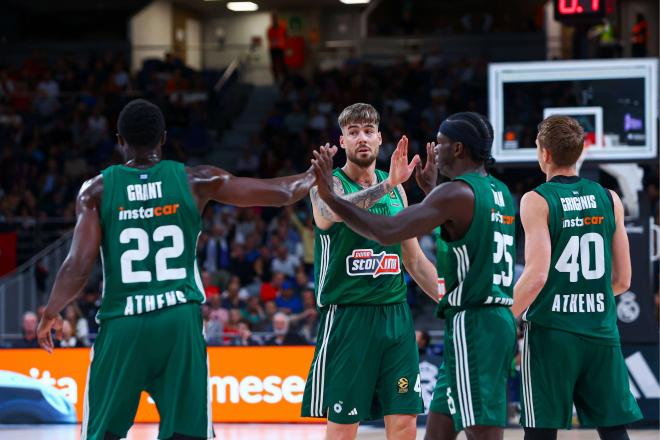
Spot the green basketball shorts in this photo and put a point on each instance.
(366, 365)
(162, 353)
(560, 369)
(471, 386)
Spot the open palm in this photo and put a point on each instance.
(400, 169)
(427, 176)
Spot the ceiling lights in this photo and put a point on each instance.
(242, 6)
(354, 2)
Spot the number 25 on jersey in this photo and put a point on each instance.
(503, 243)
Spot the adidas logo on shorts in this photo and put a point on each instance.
(353, 412)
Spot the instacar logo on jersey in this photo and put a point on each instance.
(365, 262)
(146, 213)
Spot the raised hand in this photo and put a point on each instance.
(322, 164)
(332, 151)
(43, 331)
(400, 169)
(427, 176)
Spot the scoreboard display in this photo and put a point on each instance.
(616, 102)
(579, 8)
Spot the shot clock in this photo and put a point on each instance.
(581, 11)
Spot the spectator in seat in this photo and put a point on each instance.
(29, 339)
(270, 290)
(89, 306)
(69, 340)
(302, 282)
(231, 326)
(210, 289)
(215, 302)
(79, 325)
(48, 90)
(306, 322)
(216, 250)
(239, 264)
(423, 342)
(254, 313)
(282, 335)
(270, 309)
(296, 120)
(427, 352)
(213, 324)
(231, 298)
(284, 262)
(261, 267)
(286, 301)
(248, 163)
(305, 227)
(245, 338)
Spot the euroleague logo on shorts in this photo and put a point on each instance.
(365, 262)
(403, 385)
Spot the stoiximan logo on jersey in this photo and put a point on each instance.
(365, 262)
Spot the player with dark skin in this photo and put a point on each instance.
(449, 205)
(206, 183)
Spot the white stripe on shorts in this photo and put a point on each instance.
(530, 419)
(318, 375)
(462, 371)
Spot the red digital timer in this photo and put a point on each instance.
(580, 10)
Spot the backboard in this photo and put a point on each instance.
(616, 101)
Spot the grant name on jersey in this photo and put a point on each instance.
(144, 191)
(139, 304)
(578, 203)
(579, 303)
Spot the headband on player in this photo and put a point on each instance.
(460, 131)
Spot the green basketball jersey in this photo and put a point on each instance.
(350, 269)
(578, 297)
(150, 226)
(478, 269)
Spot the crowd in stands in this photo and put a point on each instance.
(57, 129)
(57, 124)
(256, 263)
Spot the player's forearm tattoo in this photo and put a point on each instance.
(364, 199)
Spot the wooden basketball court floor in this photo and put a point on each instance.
(266, 432)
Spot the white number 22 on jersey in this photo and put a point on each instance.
(163, 273)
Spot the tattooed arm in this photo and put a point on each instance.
(400, 171)
(366, 198)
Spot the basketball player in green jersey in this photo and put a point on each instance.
(144, 216)
(576, 260)
(366, 363)
(476, 214)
